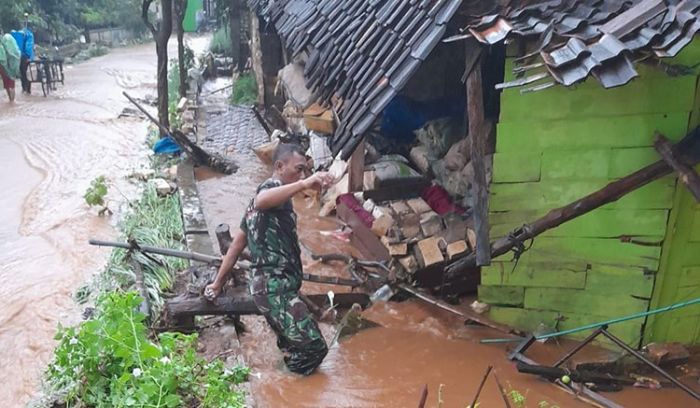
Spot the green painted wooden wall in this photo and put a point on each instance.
(557, 145)
(679, 277)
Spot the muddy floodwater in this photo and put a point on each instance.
(387, 366)
(50, 150)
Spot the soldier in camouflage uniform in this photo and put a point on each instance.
(268, 229)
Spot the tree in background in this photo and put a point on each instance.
(180, 11)
(161, 32)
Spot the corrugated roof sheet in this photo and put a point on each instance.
(591, 37)
(362, 51)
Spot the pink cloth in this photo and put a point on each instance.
(439, 200)
(351, 202)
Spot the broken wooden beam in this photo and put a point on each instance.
(688, 148)
(467, 315)
(223, 237)
(579, 376)
(686, 174)
(478, 140)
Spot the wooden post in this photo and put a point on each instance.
(357, 168)
(223, 236)
(686, 174)
(478, 140)
(256, 56)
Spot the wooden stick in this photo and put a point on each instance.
(686, 174)
(423, 397)
(465, 314)
(192, 256)
(502, 390)
(481, 387)
(690, 148)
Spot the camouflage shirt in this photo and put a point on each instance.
(272, 238)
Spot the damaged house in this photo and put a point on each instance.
(557, 100)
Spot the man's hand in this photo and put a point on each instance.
(318, 180)
(212, 291)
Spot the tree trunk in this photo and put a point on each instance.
(161, 35)
(234, 22)
(181, 10)
(162, 53)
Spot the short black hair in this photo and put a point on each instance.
(284, 150)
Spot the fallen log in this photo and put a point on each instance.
(199, 155)
(688, 149)
(239, 302)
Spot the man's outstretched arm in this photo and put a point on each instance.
(276, 196)
(237, 246)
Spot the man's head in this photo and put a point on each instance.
(289, 162)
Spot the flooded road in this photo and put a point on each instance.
(50, 150)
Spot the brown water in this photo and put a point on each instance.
(387, 366)
(50, 150)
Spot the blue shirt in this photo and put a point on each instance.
(25, 42)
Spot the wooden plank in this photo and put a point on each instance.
(549, 194)
(592, 251)
(671, 94)
(612, 280)
(690, 255)
(690, 277)
(357, 167)
(588, 133)
(514, 167)
(686, 174)
(576, 164)
(602, 223)
(695, 231)
(362, 237)
(624, 161)
(501, 295)
(478, 142)
(552, 275)
(582, 301)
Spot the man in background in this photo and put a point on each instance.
(25, 42)
(9, 64)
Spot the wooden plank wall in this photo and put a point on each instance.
(555, 146)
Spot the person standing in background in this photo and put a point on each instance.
(25, 42)
(9, 64)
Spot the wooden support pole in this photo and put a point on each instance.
(686, 173)
(690, 152)
(478, 140)
(357, 168)
(223, 237)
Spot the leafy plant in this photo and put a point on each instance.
(96, 193)
(245, 90)
(109, 361)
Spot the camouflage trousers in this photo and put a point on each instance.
(298, 335)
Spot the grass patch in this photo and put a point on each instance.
(245, 90)
(154, 221)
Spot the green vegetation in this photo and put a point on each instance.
(173, 94)
(221, 42)
(109, 361)
(61, 21)
(245, 90)
(95, 194)
(153, 221)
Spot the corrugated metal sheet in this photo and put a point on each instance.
(362, 51)
(577, 39)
